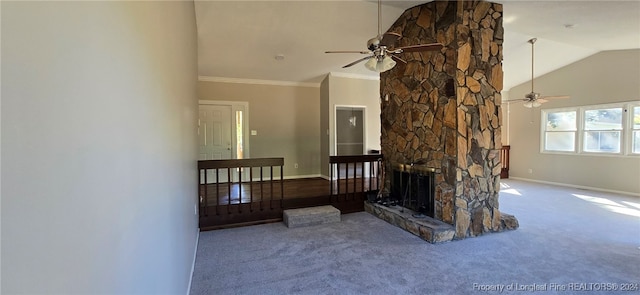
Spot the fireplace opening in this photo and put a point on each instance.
(413, 187)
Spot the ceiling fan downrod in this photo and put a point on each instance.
(532, 41)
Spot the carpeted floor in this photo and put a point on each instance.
(568, 238)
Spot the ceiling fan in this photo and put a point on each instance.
(534, 99)
(381, 55)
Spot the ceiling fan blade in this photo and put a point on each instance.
(357, 61)
(421, 47)
(348, 51)
(556, 97)
(398, 59)
(390, 38)
(514, 101)
(542, 100)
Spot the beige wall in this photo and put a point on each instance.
(360, 92)
(606, 77)
(99, 147)
(286, 118)
(324, 126)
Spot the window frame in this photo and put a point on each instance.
(543, 130)
(629, 131)
(583, 129)
(626, 133)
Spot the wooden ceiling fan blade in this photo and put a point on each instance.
(398, 59)
(556, 97)
(421, 47)
(348, 51)
(357, 61)
(542, 100)
(390, 38)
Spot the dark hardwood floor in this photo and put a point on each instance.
(218, 194)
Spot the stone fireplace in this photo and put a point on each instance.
(443, 110)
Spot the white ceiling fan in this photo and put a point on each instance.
(535, 99)
(381, 55)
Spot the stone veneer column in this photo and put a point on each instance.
(443, 108)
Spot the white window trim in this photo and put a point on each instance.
(629, 130)
(582, 124)
(543, 131)
(626, 140)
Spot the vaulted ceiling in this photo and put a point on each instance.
(241, 39)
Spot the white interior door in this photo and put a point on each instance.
(215, 141)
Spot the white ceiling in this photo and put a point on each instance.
(240, 39)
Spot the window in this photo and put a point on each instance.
(635, 142)
(560, 131)
(602, 130)
(239, 135)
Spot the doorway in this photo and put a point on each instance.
(350, 130)
(223, 134)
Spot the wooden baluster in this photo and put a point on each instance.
(355, 180)
(362, 175)
(229, 188)
(250, 189)
(271, 183)
(281, 186)
(206, 212)
(217, 192)
(338, 180)
(240, 189)
(371, 166)
(261, 191)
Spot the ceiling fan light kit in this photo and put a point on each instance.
(380, 64)
(382, 55)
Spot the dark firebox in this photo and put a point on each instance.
(413, 187)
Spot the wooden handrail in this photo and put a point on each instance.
(355, 159)
(238, 163)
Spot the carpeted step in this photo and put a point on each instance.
(311, 216)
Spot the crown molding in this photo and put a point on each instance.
(256, 81)
(354, 76)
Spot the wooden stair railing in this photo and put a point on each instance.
(239, 199)
(351, 180)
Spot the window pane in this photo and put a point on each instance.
(603, 119)
(636, 118)
(602, 141)
(561, 121)
(560, 141)
(239, 135)
(636, 142)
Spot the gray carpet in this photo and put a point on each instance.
(562, 240)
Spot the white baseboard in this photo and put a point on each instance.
(325, 177)
(576, 186)
(302, 176)
(193, 264)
